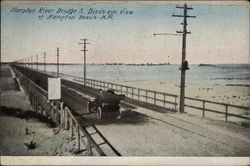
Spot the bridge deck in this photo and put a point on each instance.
(144, 132)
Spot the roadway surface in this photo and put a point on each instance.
(143, 132)
(8, 82)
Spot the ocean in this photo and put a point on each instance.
(229, 74)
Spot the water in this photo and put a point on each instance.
(234, 74)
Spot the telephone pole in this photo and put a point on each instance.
(28, 62)
(36, 62)
(44, 61)
(57, 50)
(184, 63)
(84, 58)
(31, 62)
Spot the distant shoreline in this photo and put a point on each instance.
(133, 64)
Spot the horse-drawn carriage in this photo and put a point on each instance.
(106, 102)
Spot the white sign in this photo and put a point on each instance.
(54, 88)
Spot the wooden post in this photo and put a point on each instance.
(226, 112)
(52, 111)
(61, 114)
(203, 111)
(66, 118)
(71, 128)
(132, 93)
(78, 138)
(89, 147)
(57, 117)
(37, 100)
(44, 113)
(146, 96)
(154, 97)
(33, 103)
(139, 94)
(164, 100)
(121, 90)
(126, 91)
(175, 101)
(34, 108)
(39, 109)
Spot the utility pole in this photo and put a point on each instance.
(44, 61)
(84, 58)
(57, 50)
(31, 62)
(184, 63)
(36, 62)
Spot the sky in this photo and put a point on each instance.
(219, 33)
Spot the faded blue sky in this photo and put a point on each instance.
(220, 33)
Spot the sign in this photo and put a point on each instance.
(54, 88)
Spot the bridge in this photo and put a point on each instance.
(150, 125)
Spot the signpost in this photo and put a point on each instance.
(54, 88)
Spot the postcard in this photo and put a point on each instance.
(125, 83)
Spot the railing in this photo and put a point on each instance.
(162, 99)
(55, 111)
(203, 105)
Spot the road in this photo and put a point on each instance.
(143, 132)
(8, 82)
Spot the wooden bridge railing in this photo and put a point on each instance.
(162, 99)
(226, 106)
(58, 113)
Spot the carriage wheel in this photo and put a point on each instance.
(99, 113)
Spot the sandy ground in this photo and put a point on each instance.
(49, 140)
(144, 132)
(16, 117)
(236, 95)
(13, 138)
